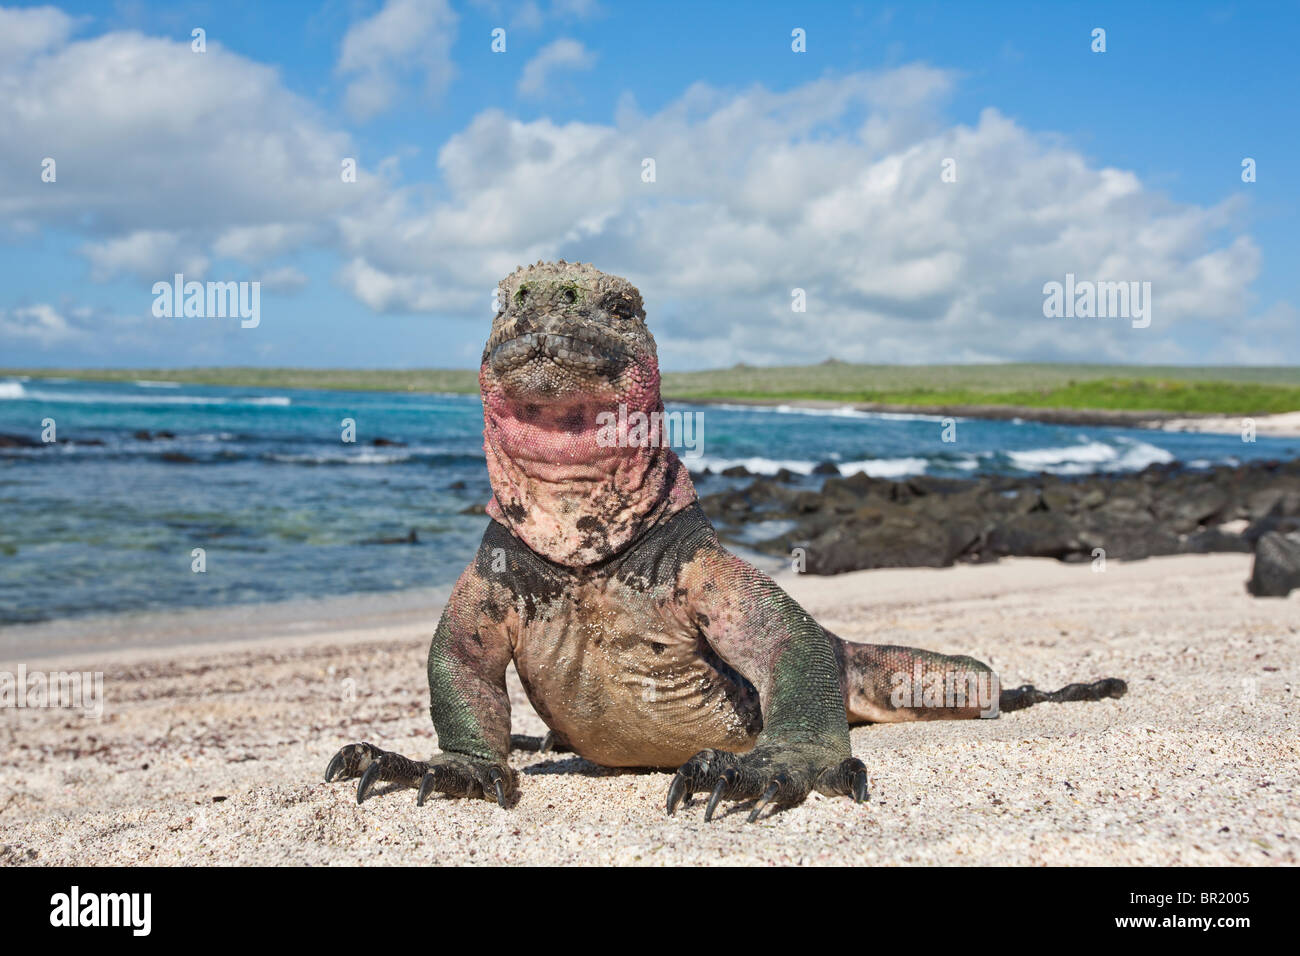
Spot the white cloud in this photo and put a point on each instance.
(165, 158)
(1262, 339)
(530, 15)
(258, 243)
(833, 187)
(562, 54)
(169, 160)
(80, 334)
(405, 37)
(284, 279)
(582, 9)
(27, 32)
(41, 324)
(150, 254)
(385, 292)
(148, 135)
(527, 16)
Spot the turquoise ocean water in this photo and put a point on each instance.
(143, 473)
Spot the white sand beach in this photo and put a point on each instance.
(1284, 425)
(216, 732)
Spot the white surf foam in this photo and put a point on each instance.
(97, 398)
(885, 467)
(843, 411)
(359, 458)
(1089, 456)
(875, 467)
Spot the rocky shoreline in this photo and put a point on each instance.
(859, 522)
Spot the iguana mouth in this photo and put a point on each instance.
(603, 356)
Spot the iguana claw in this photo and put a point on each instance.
(367, 780)
(860, 785)
(725, 782)
(457, 776)
(768, 796)
(494, 775)
(335, 765)
(372, 765)
(767, 774)
(350, 761)
(452, 774)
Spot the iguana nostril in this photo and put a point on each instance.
(570, 296)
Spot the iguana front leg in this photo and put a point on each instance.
(469, 705)
(776, 645)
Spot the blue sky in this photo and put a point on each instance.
(775, 170)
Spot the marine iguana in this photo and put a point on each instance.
(639, 639)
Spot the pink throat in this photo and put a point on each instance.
(563, 488)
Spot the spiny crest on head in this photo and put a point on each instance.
(601, 285)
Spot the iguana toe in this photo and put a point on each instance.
(768, 796)
(849, 778)
(725, 782)
(373, 765)
(350, 761)
(860, 786)
(692, 777)
(457, 776)
(768, 775)
(368, 777)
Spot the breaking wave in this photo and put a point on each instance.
(1127, 454)
(99, 398)
(875, 467)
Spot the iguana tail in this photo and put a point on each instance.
(1027, 694)
(888, 683)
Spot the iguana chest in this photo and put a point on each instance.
(624, 677)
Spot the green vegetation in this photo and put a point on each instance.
(834, 380)
(1235, 391)
(1189, 390)
(1192, 398)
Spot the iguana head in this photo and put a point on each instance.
(569, 349)
(566, 334)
